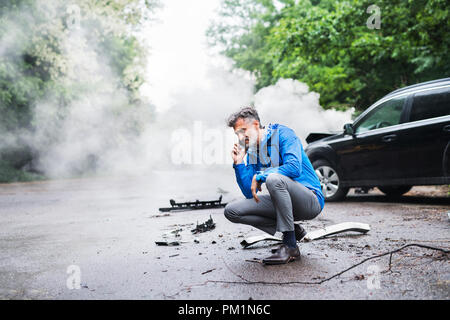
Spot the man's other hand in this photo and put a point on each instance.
(255, 186)
(237, 154)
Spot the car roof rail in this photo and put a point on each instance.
(414, 86)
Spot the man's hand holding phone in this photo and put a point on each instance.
(237, 154)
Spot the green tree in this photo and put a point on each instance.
(328, 45)
(40, 45)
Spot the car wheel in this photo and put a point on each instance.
(395, 191)
(330, 181)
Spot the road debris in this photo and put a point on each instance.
(359, 277)
(255, 239)
(313, 235)
(85, 286)
(160, 215)
(337, 228)
(194, 205)
(206, 226)
(255, 260)
(166, 243)
(177, 232)
(208, 271)
(172, 238)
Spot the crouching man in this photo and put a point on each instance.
(275, 156)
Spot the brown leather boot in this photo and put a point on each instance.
(283, 255)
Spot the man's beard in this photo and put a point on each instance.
(252, 146)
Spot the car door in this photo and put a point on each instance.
(371, 154)
(423, 141)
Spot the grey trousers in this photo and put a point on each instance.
(288, 201)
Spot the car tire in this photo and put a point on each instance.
(395, 191)
(330, 180)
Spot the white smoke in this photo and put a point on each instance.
(196, 122)
(290, 102)
(94, 130)
(97, 129)
(96, 124)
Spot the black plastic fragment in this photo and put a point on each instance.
(206, 226)
(194, 205)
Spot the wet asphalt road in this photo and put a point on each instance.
(107, 228)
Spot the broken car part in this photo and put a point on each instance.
(175, 235)
(166, 243)
(194, 205)
(337, 228)
(255, 239)
(206, 226)
(313, 235)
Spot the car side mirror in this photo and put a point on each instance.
(348, 129)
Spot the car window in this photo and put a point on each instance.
(430, 104)
(386, 114)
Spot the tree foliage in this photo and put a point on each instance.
(42, 47)
(328, 45)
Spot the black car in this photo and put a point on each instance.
(401, 141)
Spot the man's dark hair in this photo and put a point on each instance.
(244, 113)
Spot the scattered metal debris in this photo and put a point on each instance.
(194, 205)
(177, 232)
(160, 215)
(337, 228)
(208, 271)
(255, 260)
(172, 238)
(166, 243)
(85, 286)
(313, 235)
(177, 225)
(206, 226)
(255, 239)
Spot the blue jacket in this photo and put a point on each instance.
(281, 151)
